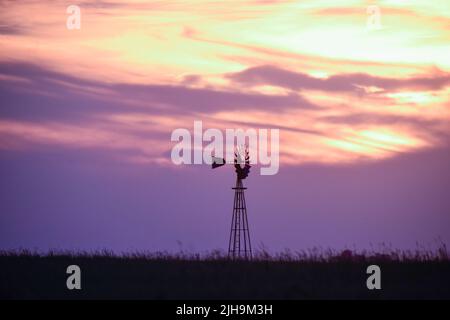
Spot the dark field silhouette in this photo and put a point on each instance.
(301, 275)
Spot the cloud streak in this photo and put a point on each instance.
(271, 75)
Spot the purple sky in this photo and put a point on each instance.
(86, 117)
(84, 199)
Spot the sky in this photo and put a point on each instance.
(86, 117)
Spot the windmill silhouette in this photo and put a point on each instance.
(239, 245)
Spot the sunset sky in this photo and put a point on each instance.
(86, 117)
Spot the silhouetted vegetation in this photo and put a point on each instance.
(312, 274)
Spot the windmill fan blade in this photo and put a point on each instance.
(217, 162)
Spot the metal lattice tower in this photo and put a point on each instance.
(239, 245)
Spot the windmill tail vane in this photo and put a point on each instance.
(217, 162)
(239, 246)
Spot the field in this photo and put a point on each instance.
(310, 275)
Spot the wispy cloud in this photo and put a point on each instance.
(137, 70)
(270, 75)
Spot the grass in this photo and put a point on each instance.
(311, 274)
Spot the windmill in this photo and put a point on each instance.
(239, 246)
